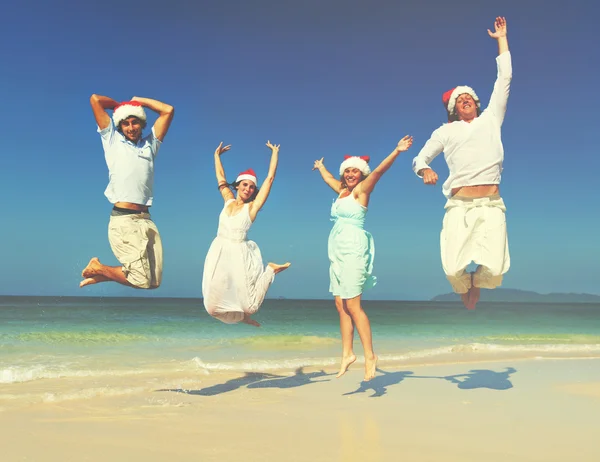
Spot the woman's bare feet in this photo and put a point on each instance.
(370, 368)
(346, 361)
(279, 268)
(90, 269)
(248, 320)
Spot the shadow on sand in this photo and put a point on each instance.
(297, 380)
(380, 383)
(257, 380)
(476, 378)
(233, 384)
(482, 378)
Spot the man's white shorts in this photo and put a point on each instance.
(474, 230)
(136, 243)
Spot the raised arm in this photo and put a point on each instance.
(499, 98)
(328, 178)
(366, 186)
(265, 188)
(165, 111)
(221, 180)
(500, 34)
(99, 106)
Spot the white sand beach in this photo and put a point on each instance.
(531, 410)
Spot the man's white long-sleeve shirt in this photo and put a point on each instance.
(473, 151)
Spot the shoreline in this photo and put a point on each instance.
(563, 299)
(108, 384)
(453, 355)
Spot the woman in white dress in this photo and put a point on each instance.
(235, 281)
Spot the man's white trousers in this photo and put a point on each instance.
(474, 230)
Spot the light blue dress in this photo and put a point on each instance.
(351, 249)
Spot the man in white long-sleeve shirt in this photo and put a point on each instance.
(474, 227)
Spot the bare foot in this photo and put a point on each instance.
(465, 298)
(90, 269)
(248, 320)
(370, 368)
(468, 298)
(93, 280)
(474, 294)
(279, 268)
(346, 361)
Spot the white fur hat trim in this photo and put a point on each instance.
(246, 177)
(461, 91)
(125, 110)
(355, 162)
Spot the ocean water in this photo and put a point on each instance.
(45, 338)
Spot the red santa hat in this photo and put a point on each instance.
(247, 175)
(449, 98)
(359, 162)
(128, 109)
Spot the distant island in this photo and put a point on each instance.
(524, 296)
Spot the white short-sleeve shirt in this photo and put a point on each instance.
(130, 166)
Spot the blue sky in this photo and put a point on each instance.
(323, 79)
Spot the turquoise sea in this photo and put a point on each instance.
(59, 337)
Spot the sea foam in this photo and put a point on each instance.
(467, 352)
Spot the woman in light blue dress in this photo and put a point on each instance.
(351, 249)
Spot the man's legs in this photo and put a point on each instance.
(154, 254)
(475, 233)
(96, 272)
(493, 256)
(456, 250)
(136, 243)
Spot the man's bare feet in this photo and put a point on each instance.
(248, 320)
(465, 298)
(370, 368)
(90, 269)
(279, 268)
(474, 294)
(471, 298)
(346, 361)
(93, 280)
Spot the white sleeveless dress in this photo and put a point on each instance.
(234, 280)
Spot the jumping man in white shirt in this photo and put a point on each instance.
(133, 236)
(474, 227)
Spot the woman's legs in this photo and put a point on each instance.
(347, 331)
(354, 308)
